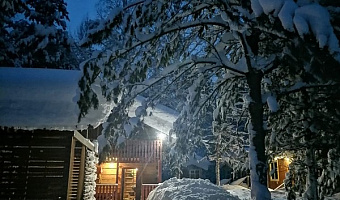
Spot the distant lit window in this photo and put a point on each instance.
(274, 172)
(194, 173)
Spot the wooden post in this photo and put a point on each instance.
(138, 185)
(160, 162)
(81, 172)
(70, 171)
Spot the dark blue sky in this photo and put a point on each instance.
(78, 10)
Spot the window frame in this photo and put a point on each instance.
(275, 172)
(194, 173)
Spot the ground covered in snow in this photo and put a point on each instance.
(199, 189)
(189, 189)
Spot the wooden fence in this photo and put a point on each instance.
(110, 191)
(146, 189)
(34, 164)
(107, 192)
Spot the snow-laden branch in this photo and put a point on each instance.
(299, 86)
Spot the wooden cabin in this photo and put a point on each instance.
(198, 167)
(132, 171)
(277, 172)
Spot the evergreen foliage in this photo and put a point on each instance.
(33, 34)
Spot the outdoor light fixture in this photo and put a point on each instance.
(161, 136)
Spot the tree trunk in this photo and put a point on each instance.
(218, 159)
(218, 177)
(311, 179)
(257, 156)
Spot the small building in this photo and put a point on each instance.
(199, 167)
(135, 167)
(132, 171)
(278, 168)
(44, 152)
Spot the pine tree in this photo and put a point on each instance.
(33, 34)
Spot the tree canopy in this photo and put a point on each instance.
(33, 34)
(212, 47)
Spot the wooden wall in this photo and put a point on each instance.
(147, 171)
(282, 170)
(34, 164)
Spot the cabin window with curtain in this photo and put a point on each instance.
(274, 171)
(194, 173)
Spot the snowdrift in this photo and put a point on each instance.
(189, 189)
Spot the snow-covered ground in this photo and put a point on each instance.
(199, 189)
(189, 189)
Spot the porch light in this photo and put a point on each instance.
(161, 136)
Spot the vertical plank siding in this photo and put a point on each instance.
(139, 151)
(34, 164)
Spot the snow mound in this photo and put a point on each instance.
(189, 189)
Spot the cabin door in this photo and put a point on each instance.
(129, 184)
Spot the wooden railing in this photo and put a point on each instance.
(146, 189)
(110, 191)
(139, 151)
(107, 192)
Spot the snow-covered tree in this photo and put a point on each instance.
(33, 34)
(229, 141)
(309, 108)
(209, 42)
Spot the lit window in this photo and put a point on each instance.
(274, 172)
(108, 173)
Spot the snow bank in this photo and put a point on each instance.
(189, 189)
(32, 98)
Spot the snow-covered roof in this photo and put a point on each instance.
(201, 162)
(32, 98)
(159, 117)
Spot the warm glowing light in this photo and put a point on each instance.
(161, 136)
(111, 165)
(136, 169)
(288, 160)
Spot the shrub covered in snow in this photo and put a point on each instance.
(189, 189)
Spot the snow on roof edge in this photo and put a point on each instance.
(35, 98)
